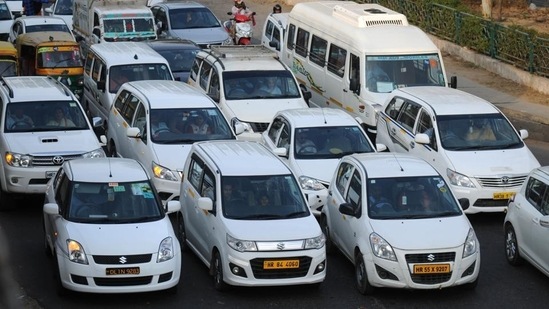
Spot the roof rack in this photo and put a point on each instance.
(368, 15)
(242, 51)
(10, 91)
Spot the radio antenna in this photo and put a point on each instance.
(324, 116)
(110, 170)
(401, 169)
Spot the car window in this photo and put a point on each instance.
(343, 175)
(330, 142)
(196, 171)
(140, 120)
(208, 184)
(205, 75)
(408, 116)
(40, 117)
(275, 129)
(354, 194)
(425, 126)
(536, 193)
(129, 107)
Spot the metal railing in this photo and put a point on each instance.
(525, 50)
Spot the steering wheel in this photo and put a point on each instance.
(237, 92)
(84, 210)
(161, 130)
(307, 150)
(21, 123)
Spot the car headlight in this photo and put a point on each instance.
(381, 248)
(76, 252)
(161, 172)
(458, 179)
(97, 153)
(316, 242)
(18, 160)
(309, 183)
(241, 245)
(165, 250)
(471, 244)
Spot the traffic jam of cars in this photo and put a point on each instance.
(157, 131)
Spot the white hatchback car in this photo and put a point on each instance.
(107, 230)
(467, 139)
(526, 224)
(311, 141)
(245, 217)
(156, 122)
(27, 24)
(395, 218)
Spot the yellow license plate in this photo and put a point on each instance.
(503, 195)
(122, 271)
(424, 269)
(280, 264)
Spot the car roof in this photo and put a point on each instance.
(176, 4)
(172, 44)
(127, 52)
(242, 158)
(243, 58)
(448, 101)
(392, 165)
(318, 117)
(31, 88)
(37, 20)
(544, 170)
(170, 94)
(105, 170)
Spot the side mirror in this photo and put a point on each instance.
(281, 152)
(464, 203)
(173, 206)
(133, 132)
(51, 208)
(205, 203)
(239, 128)
(523, 134)
(347, 209)
(49, 10)
(97, 122)
(453, 82)
(275, 44)
(422, 138)
(381, 147)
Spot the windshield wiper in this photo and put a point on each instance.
(296, 214)
(259, 217)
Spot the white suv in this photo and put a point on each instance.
(249, 83)
(42, 125)
(467, 139)
(156, 122)
(244, 215)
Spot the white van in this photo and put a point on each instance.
(467, 139)
(42, 125)
(352, 55)
(244, 215)
(109, 65)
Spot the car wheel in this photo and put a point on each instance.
(325, 229)
(217, 265)
(181, 233)
(511, 246)
(362, 283)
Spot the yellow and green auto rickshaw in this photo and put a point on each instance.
(51, 53)
(8, 59)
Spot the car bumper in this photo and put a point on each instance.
(483, 200)
(252, 263)
(399, 274)
(28, 180)
(92, 278)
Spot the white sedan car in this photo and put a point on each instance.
(311, 141)
(107, 230)
(527, 222)
(27, 24)
(394, 217)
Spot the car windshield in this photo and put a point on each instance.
(59, 57)
(329, 142)
(477, 132)
(44, 116)
(262, 198)
(63, 7)
(118, 75)
(4, 12)
(48, 27)
(120, 29)
(113, 203)
(193, 18)
(186, 125)
(180, 60)
(386, 73)
(261, 85)
(8, 67)
(410, 198)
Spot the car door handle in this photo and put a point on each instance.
(412, 144)
(393, 131)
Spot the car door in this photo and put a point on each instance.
(398, 122)
(428, 152)
(123, 112)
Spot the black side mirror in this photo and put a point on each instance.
(453, 82)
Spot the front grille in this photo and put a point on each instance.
(116, 259)
(49, 160)
(501, 182)
(490, 203)
(431, 279)
(130, 281)
(260, 273)
(431, 257)
(259, 126)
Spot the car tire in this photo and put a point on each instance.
(511, 246)
(361, 276)
(217, 272)
(182, 233)
(326, 230)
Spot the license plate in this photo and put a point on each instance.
(275, 264)
(122, 271)
(423, 269)
(503, 195)
(50, 174)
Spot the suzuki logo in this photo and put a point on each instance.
(505, 179)
(280, 246)
(122, 260)
(58, 160)
(431, 257)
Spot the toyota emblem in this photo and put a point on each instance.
(505, 179)
(58, 160)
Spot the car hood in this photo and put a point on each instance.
(322, 169)
(115, 239)
(47, 143)
(263, 110)
(273, 230)
(202, 36)
(493, 162)
(171, 156)
(423, 234)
